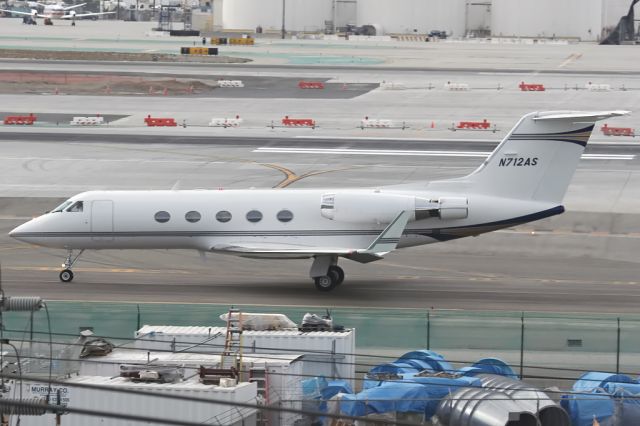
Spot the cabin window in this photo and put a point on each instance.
(285, 215)
(162, 217)
(254, 216)
(76, 207)
(61, 207)
(223, 216)
(193, 216)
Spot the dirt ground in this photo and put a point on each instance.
(33, 82)
(114, 56)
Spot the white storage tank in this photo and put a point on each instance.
(326, 353)
(405, 16)
(581, 19)
(300, 15)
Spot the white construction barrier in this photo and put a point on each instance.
(87, 121)
(598, 87)
(387, 85)
(370, 123)
(230, 83)
(225, 122)
(456, 86)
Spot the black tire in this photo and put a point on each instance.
(338, 272)
(66, 276)
(325, 283)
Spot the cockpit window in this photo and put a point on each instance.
(62, 206)
(76, 207)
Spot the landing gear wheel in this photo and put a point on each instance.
(325, 282)
(66, 276)
(338, 273)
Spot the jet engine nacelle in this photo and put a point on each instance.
(378, 207)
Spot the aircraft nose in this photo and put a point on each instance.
(19, 231)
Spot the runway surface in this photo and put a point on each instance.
(452, 277)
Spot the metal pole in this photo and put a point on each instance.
(521, 345)
(118, 11)
(284, 32)
(428, 330)
(138, 317)
(618, 350)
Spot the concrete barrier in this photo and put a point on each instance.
(456, 86)
(225, 122)
(230, 83)
(87, 121)
(598, 87)
(387, 85)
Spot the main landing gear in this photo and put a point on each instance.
(326, 273)
(66, 275)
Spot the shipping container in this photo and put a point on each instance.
(328, 354)
(144, 405)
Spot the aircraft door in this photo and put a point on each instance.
(102, 220)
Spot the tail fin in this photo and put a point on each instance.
(538, 157)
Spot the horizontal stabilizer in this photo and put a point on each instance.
(388, 240)
(590, 116)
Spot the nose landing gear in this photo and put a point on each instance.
(66, 275)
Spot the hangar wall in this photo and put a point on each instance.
(545, 18)
(301, 15)
(583, 19)
(405, 16)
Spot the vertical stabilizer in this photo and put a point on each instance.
(539, 156)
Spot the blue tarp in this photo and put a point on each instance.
(418, 364)
(594, 380)
(433, 359)
(335, 387)
(435, 389)
(583, 409)
(622, 389)
(470, 371)
(312, 388)
(393, 368)
(495, 366)
(388, 397)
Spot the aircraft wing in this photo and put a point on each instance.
(386, 242)
(84, 15)
(15, 12)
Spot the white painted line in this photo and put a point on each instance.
(607, 157)
(472, 154)
(368, 138)
(496, 141)
(347, 151)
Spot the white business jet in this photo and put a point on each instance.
(524, 179)
(57, 11)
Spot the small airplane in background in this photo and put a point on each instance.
(56, 11)
(523, 180)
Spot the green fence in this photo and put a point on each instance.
(546, 347)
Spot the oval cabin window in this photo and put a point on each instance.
(223, 216)
(285, 216)
(192, 216)
(162, 217)
(254, 216)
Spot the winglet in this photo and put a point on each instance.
(388, 240)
